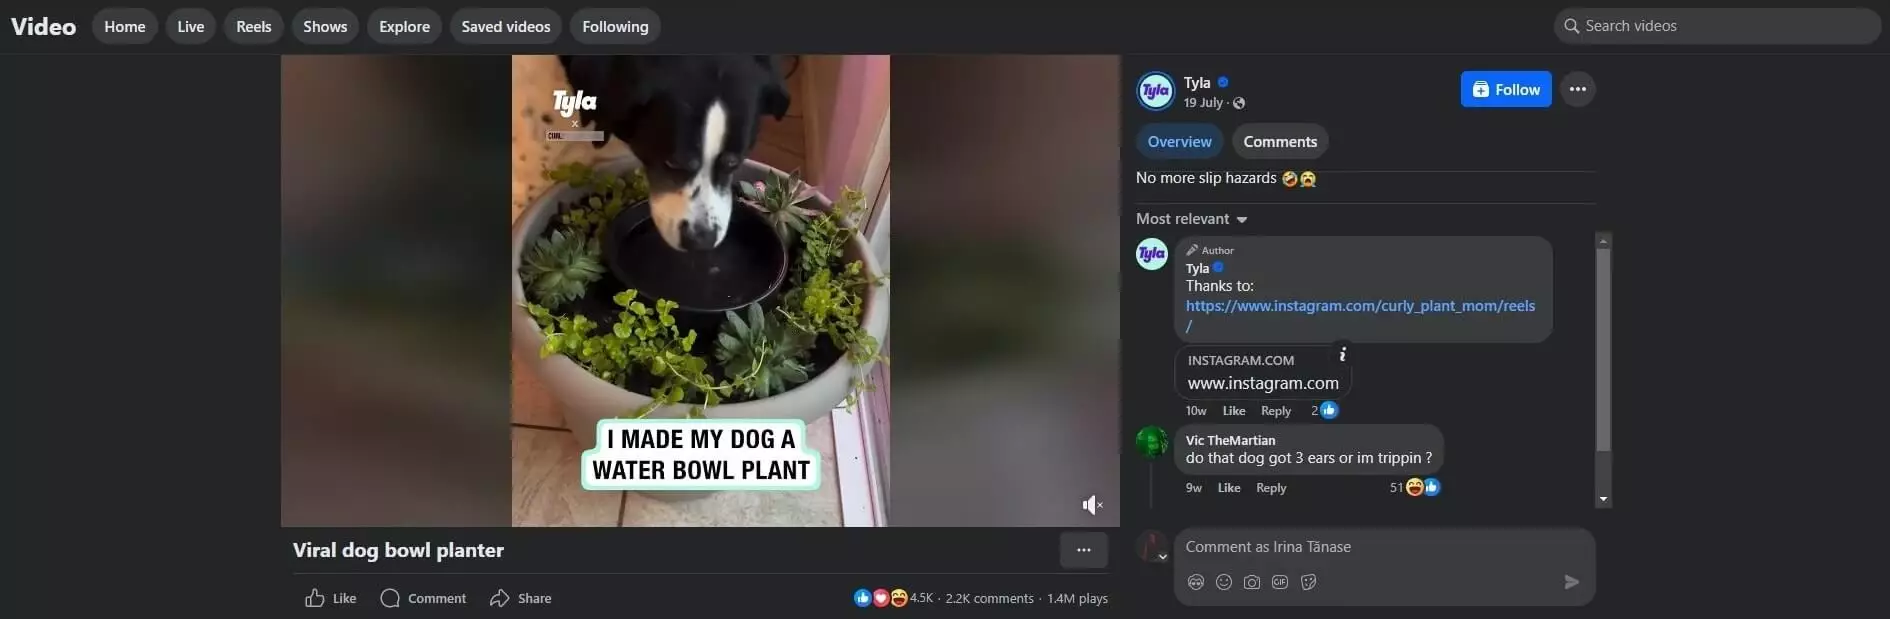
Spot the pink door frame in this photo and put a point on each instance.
(863, 96)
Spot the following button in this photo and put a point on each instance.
(1505, 89)
(1179, 141)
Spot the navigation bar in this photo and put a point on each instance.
(337, 26)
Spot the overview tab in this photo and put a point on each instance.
(404, 26)
(506, 26)
(124, 26)
(325, 26)
(615, 26)
(190, 26)
(253, 26)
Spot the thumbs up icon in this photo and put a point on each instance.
(314, 599)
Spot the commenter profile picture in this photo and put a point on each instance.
(1151, 253)
(1151, 442)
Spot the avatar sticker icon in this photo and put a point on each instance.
(1152, 441)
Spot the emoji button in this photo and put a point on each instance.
(898, 598)
(881, 598)
(1307, 179)
(1289, 179)
(1414, 487)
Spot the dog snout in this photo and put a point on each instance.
(697, 236)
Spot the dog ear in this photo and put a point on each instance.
(620, 91)
(774, 92)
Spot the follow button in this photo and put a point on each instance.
(1505, 89)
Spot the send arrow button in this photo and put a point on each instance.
(1569, 582)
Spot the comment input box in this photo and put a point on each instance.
(1364, 289)
(1309, 449)
(1392, 566)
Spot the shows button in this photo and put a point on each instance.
(1505, 89)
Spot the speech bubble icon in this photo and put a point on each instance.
(390, 598)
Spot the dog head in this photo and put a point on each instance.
(691, 121)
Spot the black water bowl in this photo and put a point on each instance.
(749, 265)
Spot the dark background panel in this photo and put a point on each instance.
(1007, 357)
(396, 385)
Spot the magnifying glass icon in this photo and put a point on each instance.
(1569, 25)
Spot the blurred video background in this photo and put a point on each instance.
(395, 316)
(395, 309)
(1005, 290)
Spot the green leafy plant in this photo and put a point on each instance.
(558, 267)
(643, 339)
(766, 354)
(827, 297)
(780, 198)
(608, 196)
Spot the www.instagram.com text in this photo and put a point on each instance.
(1411, 307)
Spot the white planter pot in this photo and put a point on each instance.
(584, 399)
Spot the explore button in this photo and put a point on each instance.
(1505, 89)
(1179, 141)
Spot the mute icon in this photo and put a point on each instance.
(1090, 505)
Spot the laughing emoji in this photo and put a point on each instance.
(1289, 179)
(898, 598)
(1414, 487)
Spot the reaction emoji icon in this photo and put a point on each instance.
(1414, 487)
(1308, 180)
(899, 598)
(1289, 179)
(881, 598)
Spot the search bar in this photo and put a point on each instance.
(1853, 26)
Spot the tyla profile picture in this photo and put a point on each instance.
(1152, 253)
(568, 104)
(1156, 91)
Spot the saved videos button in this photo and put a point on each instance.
(1512, 89)
(1179, 141)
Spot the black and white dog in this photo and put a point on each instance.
(691, 120)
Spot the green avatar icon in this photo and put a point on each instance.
(1151, 441)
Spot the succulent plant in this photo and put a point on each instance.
(761, 354)
(781, 197)
(559, 266)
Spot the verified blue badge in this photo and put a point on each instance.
(1156, 91)
(1152, 253)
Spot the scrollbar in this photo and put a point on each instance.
(1604, 370)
